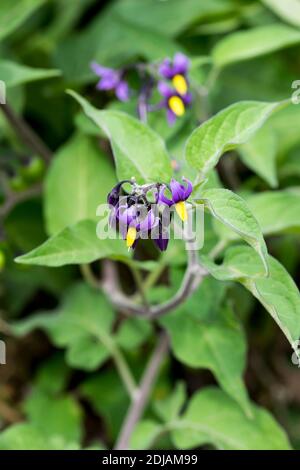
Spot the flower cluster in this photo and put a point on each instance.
(136, 217)
(175, 86)
(113, 80)
(172, 84)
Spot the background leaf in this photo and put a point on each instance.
(212, 417)
(224, 131)
(138, 151)
(230, 209)
(244, 45)
(289, 10)
(77, 244)
(78, 181)
(13, 15)
(259, 154)
(16, 74)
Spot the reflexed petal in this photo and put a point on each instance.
(180, 63)
(188, 189)
(161, 243)
(181, 210)
(164, 89)
(177, 190)
(163, 199)
(171, 117)
(188, 98)
(125, 215)
(122, 91)
(99, 69)
(166, 69)
(148, 223)
(108, 82)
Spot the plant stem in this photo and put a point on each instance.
(217, 249)
(138, 405)
(26, 133)
(116, 354)
(89, 276)
(12, 198)
(140, 284)
(122, 368)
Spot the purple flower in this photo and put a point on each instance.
(134, 222)
(176, 70)
(111, 79)
(113, 197)
(174, 103)
(161, 234)
(179, 194)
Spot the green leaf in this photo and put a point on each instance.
(276, 211)
(82, 325)
(213, 418)
(279, 295)
(239, 262)
(145, 434)
(226, 130)
(77, 244)
(133, 332)
(12, 15)
(52, 375)
(168, 409)
(61, 416)
(139, 152)
(244, 45)
(232, 211)
(146, 14)
(289, 10)
(277, 292)
(23, 436)
(216, 343)
(14, 74)
(259, 154)
(105, 392)
(78, 180)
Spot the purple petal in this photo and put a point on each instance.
(180, 63)
(166, 69)
(187, 99)
(108, 82)
(188, 189)
(171, 117)
(122, 91)
(163, 199)
(99, 69)
(125, 215)
(177, 190)
(164, 89)
(148, 223)
(161, 243)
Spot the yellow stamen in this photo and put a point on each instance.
(181, 210)
(180, 84)
(177, 105)
(130, 237)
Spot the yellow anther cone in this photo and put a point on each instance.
(181, 210)
(180, 84)
(177, 105)
(130, 237)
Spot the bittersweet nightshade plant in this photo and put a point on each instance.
(177, 268)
